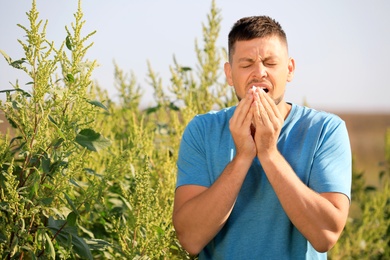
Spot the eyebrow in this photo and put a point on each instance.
(246, 59)
(272, 58)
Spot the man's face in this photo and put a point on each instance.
(261, 62)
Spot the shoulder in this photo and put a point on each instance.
(312, 117)
(209, 126)
(319, 125)
(212, 119)
(328, 129)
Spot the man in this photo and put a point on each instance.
(265, 179)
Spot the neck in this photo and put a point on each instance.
(284, 109)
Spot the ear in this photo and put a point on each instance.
(228, 73)
(291, 69)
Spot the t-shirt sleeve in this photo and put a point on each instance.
(191, 163)
(332, 165)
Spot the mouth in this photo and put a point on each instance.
(265, 89)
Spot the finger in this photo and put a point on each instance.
(269, 107)
(257, 121)
(258, 112)
(261, 115)
(273, 106)
(240, 116)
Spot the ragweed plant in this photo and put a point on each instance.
(44, 184)
(138, 178)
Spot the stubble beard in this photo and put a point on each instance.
(277, 100)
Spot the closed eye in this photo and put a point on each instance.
(270, 64)
(270, 61)
(245, 65)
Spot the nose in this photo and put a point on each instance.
(260, 70)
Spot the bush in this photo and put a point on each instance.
(367, 233)
(82, 178)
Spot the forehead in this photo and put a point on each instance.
(264, 47)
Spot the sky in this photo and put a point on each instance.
(341, 47)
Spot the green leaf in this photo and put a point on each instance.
(11, 122)
(18, 148)
(97, 104)
(6, 57)
(68, 43)
(3, 238)
(71, 204)
(49, 248)
(92, 140)
(15, 138)
(58, 142)
(86, 231)
(159, 231)
(116, 203)
(173, 107)
(14, 246)
(152, 109)
(46, 164)
(24, 93)
(92, 172)
(74, 182)
(18, 63)
(81, 248)
(58, 129)
(97, 244)
(34, 188)
(70, 78)
(69, 234)
(16, 105)
(184, 69)
(71, 219)
(370, 188)
(52, 120)
(47, 201)
(56, 224)
(126, 203)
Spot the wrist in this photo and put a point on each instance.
(268, 155)
(242, 161)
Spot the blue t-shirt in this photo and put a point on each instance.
(314, 143)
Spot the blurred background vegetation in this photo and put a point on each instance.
(82, 176)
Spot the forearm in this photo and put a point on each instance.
(199, 219)
(320, 221)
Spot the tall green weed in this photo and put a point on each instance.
(45, 187)
(82, 178)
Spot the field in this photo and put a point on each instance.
(367, 136)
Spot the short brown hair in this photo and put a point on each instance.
(252, 27)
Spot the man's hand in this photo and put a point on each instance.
(240, 127)
(268, 121)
